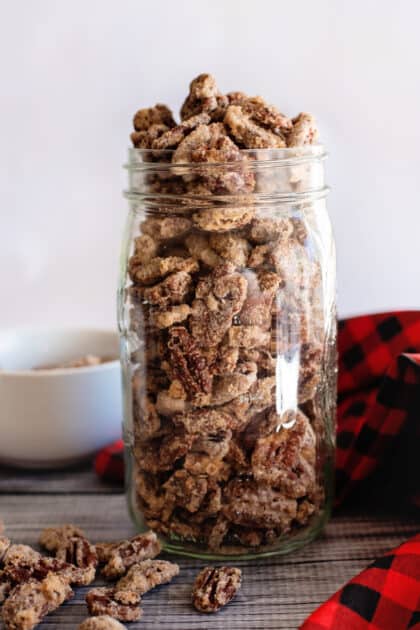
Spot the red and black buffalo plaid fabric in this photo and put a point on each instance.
(378, 459)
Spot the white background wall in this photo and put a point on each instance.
(73, 73)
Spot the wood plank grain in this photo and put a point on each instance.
(277, 594)
(79, 480)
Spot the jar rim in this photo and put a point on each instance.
(262, 158)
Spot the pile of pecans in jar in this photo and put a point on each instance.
(221, 290)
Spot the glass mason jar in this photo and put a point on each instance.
(228, 344)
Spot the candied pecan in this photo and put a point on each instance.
(150, 492)
(129, 552)
(51, 538)
(160, 454)
(118, 603)
(263, 230)
(173, 290)
(230, 247)
(166, 228)
(215, 587)
(262, 357)
(204, 96)
(209, 144)
(103, 550)
(286, 459)
(310, 358)
(218, 298)
(199, 248)
(224, 218)
(168, 405)
(247, 133)
(205, 421)
(16, 554)
(79, 552)
(247, 337)
(188, 364)
(265, 115)
(146, 416)
(304, 131)
(173, 137)
(200, 464)
(28, 603)
(157, 115)
(262, 290)
(218, 533)
(256, 505)
(229, 386)
(144, 576)
(226, 360)
(145, 248)
(215, 444)
(158, 268)
(172, 315)
(144, 139)
(4, 546)
(103, 622)
(184, 490)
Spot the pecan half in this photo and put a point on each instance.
(118, 603)
(129, 552)
(215, 587)
(144, 576)
(188, 364)
(79, 552)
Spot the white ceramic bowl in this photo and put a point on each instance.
(52, 418)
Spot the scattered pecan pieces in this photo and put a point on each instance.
(52, 538)
(79, 552)
(30, 602)
(144, 576)
(120, 604)
(129, 552)
(215, 587)
(103, 622)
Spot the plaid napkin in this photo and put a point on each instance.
(378, 430)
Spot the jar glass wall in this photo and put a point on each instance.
(228, 347)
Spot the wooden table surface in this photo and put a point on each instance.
(277, 593)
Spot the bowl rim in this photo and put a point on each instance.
(56, 372)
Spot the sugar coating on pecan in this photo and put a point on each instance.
(120, 604)
(230, 247)
(218, 298)
(229, 386)
(204, 96)
(223, 219)
(145, 248)
(286, 459)
(215, 587)
(79, 552)
(31, 601)
(173, 137)
(249, 134)
(253, 504)
(103, 622)
(51, 538)
(188, 364)
(171, 315)
(166, 228)
(304, 131)
(265, 229)
(145, 139)
(158, 268)
(199, 247)
(144, 576)
(160, 454)
(157, 115)
(129, 552)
